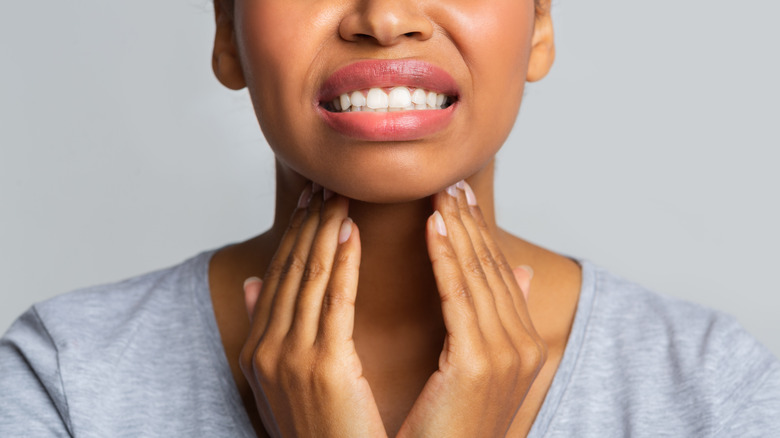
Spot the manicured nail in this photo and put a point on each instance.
(305, 198)
(471, 198)
(528, 269)
(452, 191)
(345, 231)
(461, 185)
(438, 222)
(315, 187)
(251, 280)
(327, 194)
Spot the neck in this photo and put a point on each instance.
(396, 286)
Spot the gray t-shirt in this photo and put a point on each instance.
(143, 357)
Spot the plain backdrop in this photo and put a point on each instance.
(650, 149)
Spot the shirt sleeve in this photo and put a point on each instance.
(759, 414)
(32, 398)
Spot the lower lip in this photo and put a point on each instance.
(389, 126)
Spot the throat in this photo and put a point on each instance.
(396, 284)
(397, 364)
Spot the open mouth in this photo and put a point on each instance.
(416, 99)
(388, 99)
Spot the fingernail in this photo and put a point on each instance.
(528, 269)
(251, 280)
(315, 187)
(461, 184)
(345, 231)
(327, 194)
(305, 197)
(471, 198)
(452, 191)
(438, 222)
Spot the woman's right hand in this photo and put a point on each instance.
(299, 358)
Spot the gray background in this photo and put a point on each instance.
(651, 148)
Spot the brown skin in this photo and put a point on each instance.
(491, 48)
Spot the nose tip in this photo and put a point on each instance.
(385, 22)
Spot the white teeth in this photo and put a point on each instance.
(376, 98)
(418, 97)
(357, 98)
(344, 101)
(398, 99)
(431, 99)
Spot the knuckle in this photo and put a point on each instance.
(459, 291)
(487, 260)
(293, 365)
(264, 365)
(507, 360)
(444, 253)
(474, 267)
(274, 270)
(314, 270)
(533, 354)
(480, 219)
(478, 370)
(296, 263)
(246, 360)
(502, 264)
(335, 298)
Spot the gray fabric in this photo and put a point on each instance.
(143, 358)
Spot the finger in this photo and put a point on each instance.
(458, 311)
(516, 294)
(523, 275)
(490, 258)
(337, 320)
(283, 304)
(318, 270)
(469, 262)
(252, 286)
(275, 269)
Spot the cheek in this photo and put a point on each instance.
(495, 43)
(277, 56)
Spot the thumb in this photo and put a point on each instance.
(523, 276)
(252, 286)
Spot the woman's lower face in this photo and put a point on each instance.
(385, 100)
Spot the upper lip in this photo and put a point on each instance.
(387, 73)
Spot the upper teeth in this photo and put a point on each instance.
(399, 99)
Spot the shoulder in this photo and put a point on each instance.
(104, 360)
(629, 319)
(664, 363)
(96, 313)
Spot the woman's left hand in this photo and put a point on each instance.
(492, 353)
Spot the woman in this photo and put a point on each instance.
(390, 300)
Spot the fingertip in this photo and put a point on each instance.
(252, 287)
(438, 224)
(523, 275)
(251, 280)
(471, 197)
(346, 230)
(529, 271)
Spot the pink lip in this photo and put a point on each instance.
(390, 126)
